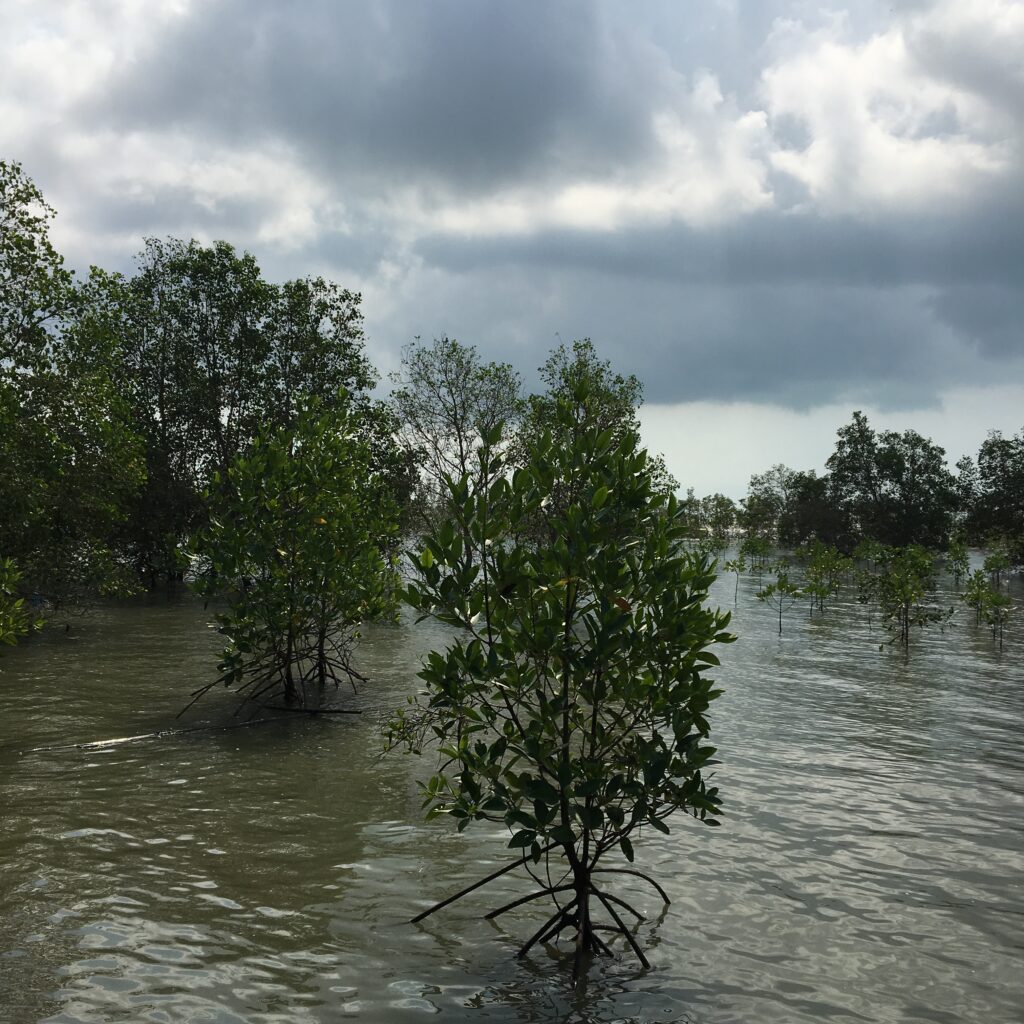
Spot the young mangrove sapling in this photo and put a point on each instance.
(572, 706)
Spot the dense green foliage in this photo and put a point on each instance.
(612, 403)
(299, 545)
(123, 399)
(126, 399)
(70, 459)
(209, 353)
(36, 291)
(16, 618)
(895, 489)
(572, 705)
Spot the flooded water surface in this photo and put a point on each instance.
(870, 866)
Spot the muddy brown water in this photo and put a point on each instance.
(870, 867)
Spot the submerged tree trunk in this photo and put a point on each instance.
(289, 657)
(321, 658)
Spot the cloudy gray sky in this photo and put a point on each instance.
(772, 212)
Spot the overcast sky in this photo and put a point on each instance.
(772, 212)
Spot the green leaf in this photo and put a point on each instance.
(627, 848)
(524, 837)
(562, 834)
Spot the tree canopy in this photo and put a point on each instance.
(445, 399)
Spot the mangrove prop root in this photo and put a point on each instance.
(526, 899)
(559, 926)
(622, 928)
(638, 874)
(557, 919)
(622, 903)
(476, 885)
(599, 943)
(571, 915)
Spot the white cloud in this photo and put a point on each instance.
(889, 125)
(885, 128)
(711, 167)
(53, 54)
(201, 185)
(907, 118)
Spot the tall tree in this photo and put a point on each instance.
(812, 513)
(612, 401)
(999, 508)
(768, 497)
(72, 466)
(717, 518)
(316, 348)
(211, 353)
(445, 398)
(966, 488)
(36, 290)
(70, 461)
(895, 488)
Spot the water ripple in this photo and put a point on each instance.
(870, 867)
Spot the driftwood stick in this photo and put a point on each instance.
(526, 899)
(311, 711)
(638, 874)
(476, 885)
(162, 734)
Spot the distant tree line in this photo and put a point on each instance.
(888, 487)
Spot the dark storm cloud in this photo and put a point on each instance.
(981, 245)
(460, 95)
(795, 344)
(799, 303)
(796, 308)
(990, 315)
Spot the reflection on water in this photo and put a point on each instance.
(869, 869)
